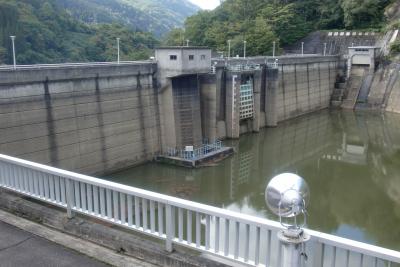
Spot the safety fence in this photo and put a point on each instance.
(233, 236)
(244, 67)
(195, 153)
(70, 65)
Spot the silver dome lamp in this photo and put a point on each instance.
(287, 196)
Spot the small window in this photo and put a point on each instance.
(191, 57)
(173, 57)
(203, 57)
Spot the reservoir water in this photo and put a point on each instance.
(351, 162)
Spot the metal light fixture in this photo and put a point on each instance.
(287, 195)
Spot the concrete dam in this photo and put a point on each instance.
(99, 118)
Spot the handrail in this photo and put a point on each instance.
(71, 65)
(236, 237)
(197, 152)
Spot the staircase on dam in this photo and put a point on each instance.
(339, 89)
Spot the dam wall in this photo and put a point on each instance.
(89, 119)
(304, 87)
(294, 87)
(100, 118)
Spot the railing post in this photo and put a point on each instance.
(70, 197)
(169, 230)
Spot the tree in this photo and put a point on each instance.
(48, 34)
(175, 37)
(260, 38)
(287, 24)
(363, 13)
(195, 27)
(3, 55)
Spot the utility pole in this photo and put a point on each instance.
(13, 48)
(118, 48)
(273, 49)
(244, 49)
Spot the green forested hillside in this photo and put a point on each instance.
(46, 33)
(260, 22)
(155, 16)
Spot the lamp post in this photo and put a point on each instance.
(273, 48)
(244, 49)
(118, 49)
(229, 49)
(13, 48)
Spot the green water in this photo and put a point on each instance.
(351, 162)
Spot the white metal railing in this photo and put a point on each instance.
(70, 65)
(198, 152)
(230, 235)
(244, 67)
(273, 65)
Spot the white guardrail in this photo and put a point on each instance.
(233, 236)
(70, 65)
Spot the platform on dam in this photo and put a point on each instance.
(200, 161)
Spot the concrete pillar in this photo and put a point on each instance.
(233, 81)
(272, 83)
(186, 102)
(208, 96)
(220, 80)
(257, 84)
(168, 135)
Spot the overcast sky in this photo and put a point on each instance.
(206, 4)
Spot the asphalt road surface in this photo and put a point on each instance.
(19, 248)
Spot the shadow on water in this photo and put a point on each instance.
(351, 162)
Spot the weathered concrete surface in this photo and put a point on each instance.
(208, 96)
(393, 92)
(99, 119)
(300, 85)
(337, 42)
(21, 248)
(187, 111)
(101, 233)
(354, 86)
(86, 119)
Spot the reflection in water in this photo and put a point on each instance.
(351, 162)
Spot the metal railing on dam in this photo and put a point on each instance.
(233, 236)
(70, 65)
(196, 152)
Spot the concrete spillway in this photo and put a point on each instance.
(359, 81)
